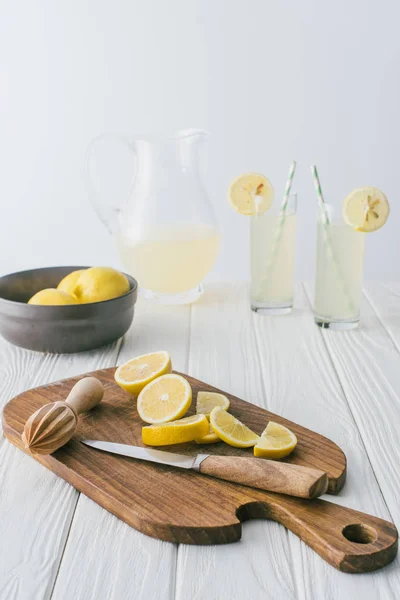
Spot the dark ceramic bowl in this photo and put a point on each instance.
(59, 329)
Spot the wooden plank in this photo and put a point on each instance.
(385, 300)
(37, 506)
(292, 374)
(348, 412)
(368, 364)
(105, 558)
(223, 353)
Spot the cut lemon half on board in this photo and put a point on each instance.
(276, 441)
(251, 193)
(177, 432)
(231, 430)
(164, 399)
(206, 401)
(366, 209)
(135, 374)
(209, 438)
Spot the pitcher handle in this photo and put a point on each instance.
(108, 213)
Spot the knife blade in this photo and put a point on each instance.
(273, 476)
(158, 456)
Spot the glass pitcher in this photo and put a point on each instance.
(165, 227)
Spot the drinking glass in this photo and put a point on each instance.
(339, 272)
(272, 251)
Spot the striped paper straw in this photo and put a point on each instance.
(282, 217)
(288, 187)
(320, 195)
(327, 237)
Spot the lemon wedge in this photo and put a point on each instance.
(276, 441)
(209, 438)
(135, 374)
(206, 401)
(165, 399)
(251, 194)
(231, 430)
(366, 209)
(177, 432)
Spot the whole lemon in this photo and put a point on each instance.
(52, 297)
(100, 283)
(69, 282)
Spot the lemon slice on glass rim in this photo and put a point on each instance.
(366, 209)
(251, 194)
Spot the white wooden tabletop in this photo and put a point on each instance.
(56, 543)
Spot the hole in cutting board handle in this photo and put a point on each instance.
(359, 534)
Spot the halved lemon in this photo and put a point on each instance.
(177, 432)
(366, 209)
(231, 430)
(209, 438)
(206, 401)
(251, 193)
(165, 399)
(276, 441)
(135, 374)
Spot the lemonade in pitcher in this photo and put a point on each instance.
(165, 228)
(171, 259)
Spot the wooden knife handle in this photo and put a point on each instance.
(85, 394)
(270, 475)
(349, 540)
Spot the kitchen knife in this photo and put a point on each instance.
(285, 478)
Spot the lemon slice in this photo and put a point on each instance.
(135, 374)
(276, 441)
(366, 209)
(165, 399)
(206, 401)
(177, 432)
(231, 430)
(209, 438)
(251, 194)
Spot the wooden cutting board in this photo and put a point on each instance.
(182, 506)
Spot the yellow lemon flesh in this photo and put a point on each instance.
(231, 430)
(276, 441)
(206, 401)
(209, 438)
(165, 399)
(69, 282)
(135, 374)
(366, 209)
(100, 283)
(52, 297)
(177, 432)
(251, 194)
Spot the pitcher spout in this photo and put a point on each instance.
(192, 136)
